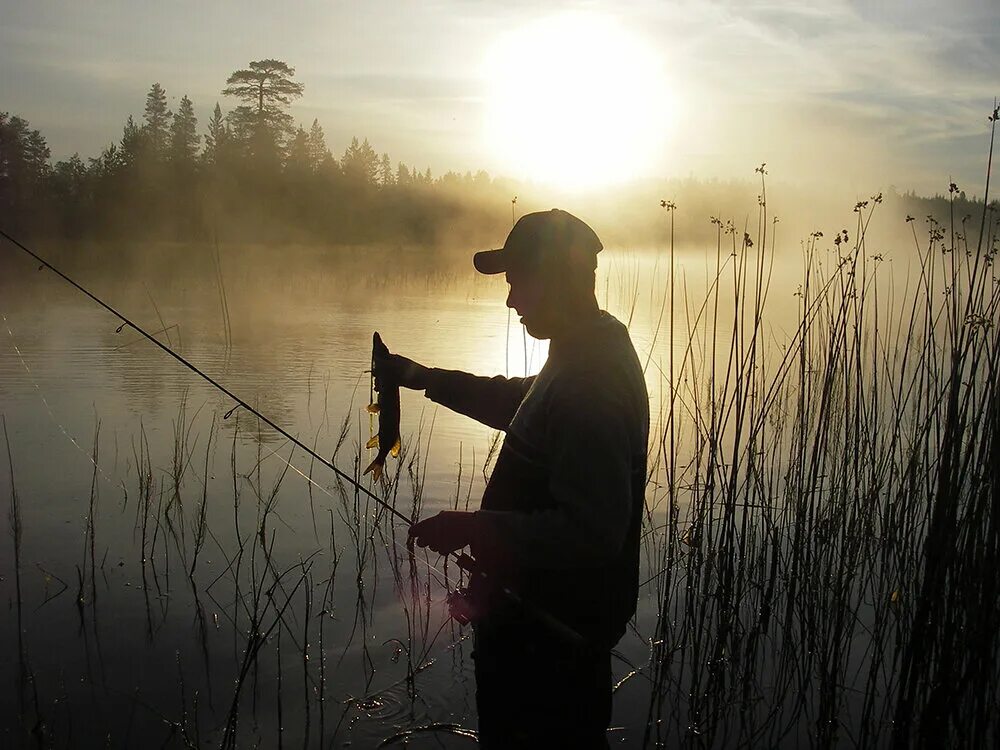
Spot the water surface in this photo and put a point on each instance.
(111, 439)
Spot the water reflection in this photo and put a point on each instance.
(295, 573)
(208, 584)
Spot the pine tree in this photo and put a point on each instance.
(360, 162)
(266, 83)
(157, 118)
(106, 165)
(299, 158)
(215, 139)
(481, 179)
(403, 176)
(69, 178)
(24, 164)
(132, 143)
(184, 135)
(68, 184)
(36, 152)
(267, 88)
(319, 154)
(386, 176)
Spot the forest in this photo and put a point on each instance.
(252, 174)
(249, 174)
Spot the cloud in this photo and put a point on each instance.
(886, 78)
(893, 82)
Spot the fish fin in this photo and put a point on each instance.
(373, 408)
(372, 443)
(375, 467)
(395, 449)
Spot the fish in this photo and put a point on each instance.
(386, 405)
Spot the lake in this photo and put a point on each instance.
(119, 641)
(177, 574)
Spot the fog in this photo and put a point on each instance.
(819, 537)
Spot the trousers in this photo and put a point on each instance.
(535, 691)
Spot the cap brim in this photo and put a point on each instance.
(490, 261)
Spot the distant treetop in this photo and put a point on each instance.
(265, 82)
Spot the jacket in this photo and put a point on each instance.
(560, 518)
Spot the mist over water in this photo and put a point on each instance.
(821, 347)
(128, 478)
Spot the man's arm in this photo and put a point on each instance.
(590, 481)
(492, 401)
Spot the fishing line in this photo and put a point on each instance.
(463, 560)
(440, 575)
(240, 403)
(31, 377)
(442, 578)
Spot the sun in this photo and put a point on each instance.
(576, 101)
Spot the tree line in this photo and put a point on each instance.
(251, 174)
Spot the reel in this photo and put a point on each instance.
(462, 607)
(461, 604)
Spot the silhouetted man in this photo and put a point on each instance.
(560, 516)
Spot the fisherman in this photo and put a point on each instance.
(560, 517)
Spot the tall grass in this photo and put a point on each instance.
(825, 569)
(820, 539)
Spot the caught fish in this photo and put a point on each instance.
(386, 405)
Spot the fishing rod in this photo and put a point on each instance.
(240, 403)
(458, 602)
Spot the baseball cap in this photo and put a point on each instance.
(544, 238)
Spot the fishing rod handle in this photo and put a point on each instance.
(551, 623)
(467, 563)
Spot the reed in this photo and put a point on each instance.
(827, 527)
(819, 542)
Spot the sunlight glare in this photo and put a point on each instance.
(576, 101)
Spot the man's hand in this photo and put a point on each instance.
(448, 531)
(395, 368)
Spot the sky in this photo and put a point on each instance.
(868, 94)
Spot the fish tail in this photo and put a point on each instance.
(375, 467)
